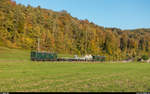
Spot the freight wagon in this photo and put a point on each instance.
(45, 56)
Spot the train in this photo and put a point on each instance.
(46, 56)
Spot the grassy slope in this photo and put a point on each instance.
(18, 73)
(13, 54)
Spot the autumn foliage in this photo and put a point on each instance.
(59, 32)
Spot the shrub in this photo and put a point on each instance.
(145, 57)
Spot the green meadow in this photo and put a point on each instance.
(19, 74)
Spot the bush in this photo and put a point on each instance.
(145, 57)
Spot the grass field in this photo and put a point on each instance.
(19, 74)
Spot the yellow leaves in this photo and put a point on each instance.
(10, 44)
(59, 31)
(27, 41)
(1, 15)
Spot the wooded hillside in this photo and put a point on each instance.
(21, 26)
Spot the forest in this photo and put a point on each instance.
(21, 27)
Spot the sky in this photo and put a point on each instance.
(123, 14)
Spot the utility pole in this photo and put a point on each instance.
(38, 44)
(86, 40)
(85, 44)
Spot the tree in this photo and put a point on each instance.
(21, 26)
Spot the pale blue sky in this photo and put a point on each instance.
(124, 14)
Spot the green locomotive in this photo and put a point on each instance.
(43, 56)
